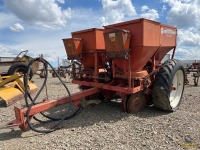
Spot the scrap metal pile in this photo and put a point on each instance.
(195, 69)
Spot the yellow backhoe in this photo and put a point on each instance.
(18, 65)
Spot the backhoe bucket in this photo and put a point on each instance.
(12, 89)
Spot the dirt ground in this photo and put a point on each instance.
(105, 126)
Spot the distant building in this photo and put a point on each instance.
(6, 58)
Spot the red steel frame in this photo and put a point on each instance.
(21, 113)
(120, 90)
(97, 87)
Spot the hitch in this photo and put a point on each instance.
(21, 114)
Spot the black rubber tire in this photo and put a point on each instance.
(163, 83)
(19, 67)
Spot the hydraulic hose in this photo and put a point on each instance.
(33, 100)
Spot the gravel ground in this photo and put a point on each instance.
(105, 126)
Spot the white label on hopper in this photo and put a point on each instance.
(112, 35)
(167, 31)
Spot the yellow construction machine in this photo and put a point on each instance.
(11, 82)
(18, 65)
(12, 88)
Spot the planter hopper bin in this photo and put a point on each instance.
(117, 43)
(93, 42)
(73, 47)
(147, 39)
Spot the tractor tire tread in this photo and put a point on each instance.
(18, 65)
(162, 84)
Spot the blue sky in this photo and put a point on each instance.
(40, 25)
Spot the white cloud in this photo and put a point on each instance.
(17, 27)
(44, 13)
(50, 55)
(187, 53)
(6, 20)
(7, 51)
(39, 41)
(117, 10)
(144, 8)
(47, 13)
(164, 8)
(49, 42)
(184, 13)
(61, 1)
(149, 13)
(68, 13)
(189, 37)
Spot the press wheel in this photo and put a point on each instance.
(136, 102)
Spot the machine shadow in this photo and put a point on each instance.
(150, 111)
(109, 112)
(12, 134)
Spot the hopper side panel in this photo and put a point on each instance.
(135, 28)
(168, 36)
(143, 53)
(100, 44)
(92, 39)
(151, 33)
(162, 52)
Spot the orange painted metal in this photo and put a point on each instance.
(88, 59)
(73, 47)
(147, 37)
(92, 39)
(133, 50)
(167, 36)
(117, 41)
(136, 74)
(20, 114)
(167, 41)
(116, 88)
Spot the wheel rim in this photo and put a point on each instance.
(136, 102)
(23, 71)
(176, 89)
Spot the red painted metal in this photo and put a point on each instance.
(92, 39)
(173, 88)
(21, 113)
(73, 47)
(116, 88)
(116, 41)
(134, 50)
(146, 37)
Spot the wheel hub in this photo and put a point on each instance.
(176, 88)
(136, 102)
